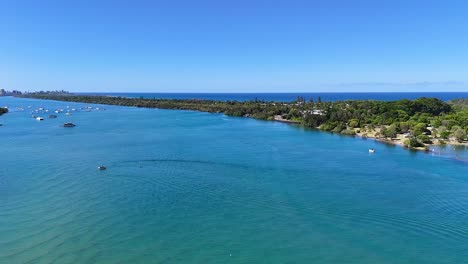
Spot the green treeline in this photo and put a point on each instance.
(421, 120)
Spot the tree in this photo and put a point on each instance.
(413, 143)
(293, 113)
(404, 127)
(353, 123)
(445, 134)
(459, 134)
(419, 129)
(424, 139)
(436, 122)
(300, 99)
(389, 132)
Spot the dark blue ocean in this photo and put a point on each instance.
(288, 97)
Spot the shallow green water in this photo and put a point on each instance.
(191, 187)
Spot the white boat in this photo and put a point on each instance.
(39, 118)
(371, 150)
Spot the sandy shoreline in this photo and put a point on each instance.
(279, 118)
(400, 140)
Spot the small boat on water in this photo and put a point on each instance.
(68, 113)
(52, 116)
(69, 124)
(371, 150)
(39, 118)
(101, 167)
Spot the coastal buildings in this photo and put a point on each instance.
(314, 112)
(4, 92)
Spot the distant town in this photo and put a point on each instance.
(4, 92)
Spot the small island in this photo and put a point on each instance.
(415, 124)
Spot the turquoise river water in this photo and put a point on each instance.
(193, 187)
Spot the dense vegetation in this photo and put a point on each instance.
(421, 120)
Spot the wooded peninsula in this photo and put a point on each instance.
(412, 123)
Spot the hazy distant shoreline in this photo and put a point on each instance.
(288, 97)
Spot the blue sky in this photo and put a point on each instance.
(234, 46)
